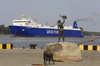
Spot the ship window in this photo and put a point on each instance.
(20, 21)
(26, 23)
(51, 26)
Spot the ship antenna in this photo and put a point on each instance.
(35, 20)
(60, 15)
(29, 17)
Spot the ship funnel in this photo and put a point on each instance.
(22, 17)
(75, 24)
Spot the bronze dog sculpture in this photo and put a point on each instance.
(47, 55)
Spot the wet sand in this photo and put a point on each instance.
(23, 57)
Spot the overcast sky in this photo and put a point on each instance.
(86, 12)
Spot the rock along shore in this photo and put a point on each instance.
(64, 51)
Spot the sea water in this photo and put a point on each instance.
(19, 42)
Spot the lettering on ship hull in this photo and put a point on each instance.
(52, 31)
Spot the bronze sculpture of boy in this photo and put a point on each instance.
(61, 28)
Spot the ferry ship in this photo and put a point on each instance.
(28, 27)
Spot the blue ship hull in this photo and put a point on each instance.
(30, 31)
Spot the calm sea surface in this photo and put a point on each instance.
(19, 42)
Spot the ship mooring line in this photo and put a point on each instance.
(89, 40)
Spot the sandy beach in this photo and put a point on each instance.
(23, 57)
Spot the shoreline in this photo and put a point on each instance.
(7, 35)
(49, 37)
(38, 36)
